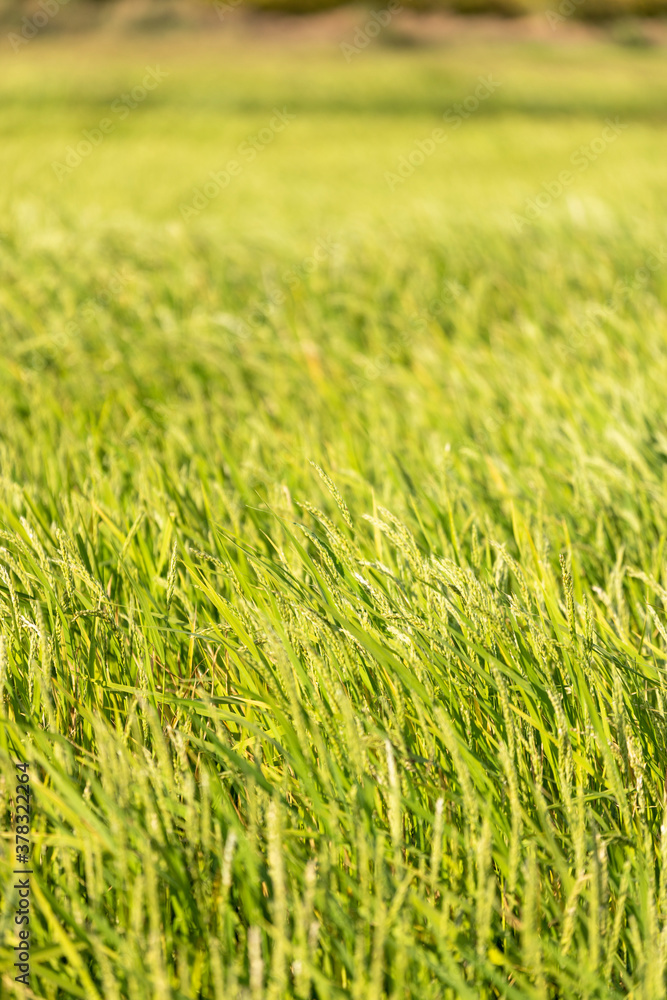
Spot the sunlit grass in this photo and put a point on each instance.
(386, 725)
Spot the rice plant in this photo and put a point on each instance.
(333, 621)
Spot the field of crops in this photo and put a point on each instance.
(333, 507)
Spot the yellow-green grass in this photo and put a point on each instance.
(395, 728)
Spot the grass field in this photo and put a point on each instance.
(333, 516)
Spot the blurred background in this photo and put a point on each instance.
(156, 14)
(173, 164)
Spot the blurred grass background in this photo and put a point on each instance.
(160, 15)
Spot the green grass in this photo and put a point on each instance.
(395, 728)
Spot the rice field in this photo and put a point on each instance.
(333, 513)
